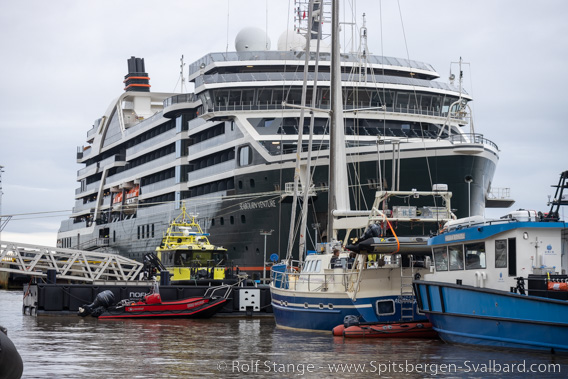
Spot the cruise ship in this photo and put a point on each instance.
(228, 149)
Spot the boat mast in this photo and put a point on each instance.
(297, 171)
(338, 185)
(316, 32)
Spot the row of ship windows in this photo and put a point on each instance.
(145, 231)
(231, 221)
(392, 99)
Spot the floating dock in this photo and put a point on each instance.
(46, 299)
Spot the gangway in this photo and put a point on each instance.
(78, 265)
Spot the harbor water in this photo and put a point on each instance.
(75, 347)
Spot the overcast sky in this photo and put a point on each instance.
(63, 62)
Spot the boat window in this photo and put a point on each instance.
(500, 253)
(456, 257)
(385, 307)
(475, 256)
(441, 258)
(308, 266)
(318, 266)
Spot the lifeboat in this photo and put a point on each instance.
(421, 329)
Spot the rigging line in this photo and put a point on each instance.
(34, 213)
(227, 46)
(415, 94)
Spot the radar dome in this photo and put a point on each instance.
(252, 39)
(291, 41)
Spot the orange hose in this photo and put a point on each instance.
(395, 236)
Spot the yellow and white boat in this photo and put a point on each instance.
(186, 252)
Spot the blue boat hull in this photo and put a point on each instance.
(478, 316)
(325, 313)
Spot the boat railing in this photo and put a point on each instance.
(472, 138)
(314, 281)
(212, 290)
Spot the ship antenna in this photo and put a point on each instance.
(181, 78)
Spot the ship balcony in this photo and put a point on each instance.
(142, 170)
(214, 142)
(93, 187)
(81, 206)
(175, 104)
(91, 132)
(88, 171)
(114, 161)
(149, 189)
(471, 143)
(83, 152)
(153, 143)
(209, 171)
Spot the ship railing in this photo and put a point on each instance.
(299, 56)
(277, 77)
(472, 138)
(93, 243)
(183, 98)
(152, 142)
(499, 193)
(363, 106)
(299, 190)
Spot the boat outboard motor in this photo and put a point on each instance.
(350, 320)
(103, 300)
(11, 364)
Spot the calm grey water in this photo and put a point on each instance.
(74, 347)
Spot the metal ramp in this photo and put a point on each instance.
(406, 296)
(79, 265)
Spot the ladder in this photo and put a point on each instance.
(406, 297)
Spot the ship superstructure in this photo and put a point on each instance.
(228, 149)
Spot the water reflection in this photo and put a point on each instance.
(74, 347)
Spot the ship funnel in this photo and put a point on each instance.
(137, 78)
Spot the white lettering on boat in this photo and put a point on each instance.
(258, 204)
(455, 237)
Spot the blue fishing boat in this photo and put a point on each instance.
(501, 283)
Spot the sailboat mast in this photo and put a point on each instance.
(338, 184)
(297, 171)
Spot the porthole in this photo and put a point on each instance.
(305, 305)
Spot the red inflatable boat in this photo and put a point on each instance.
(422, 329)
